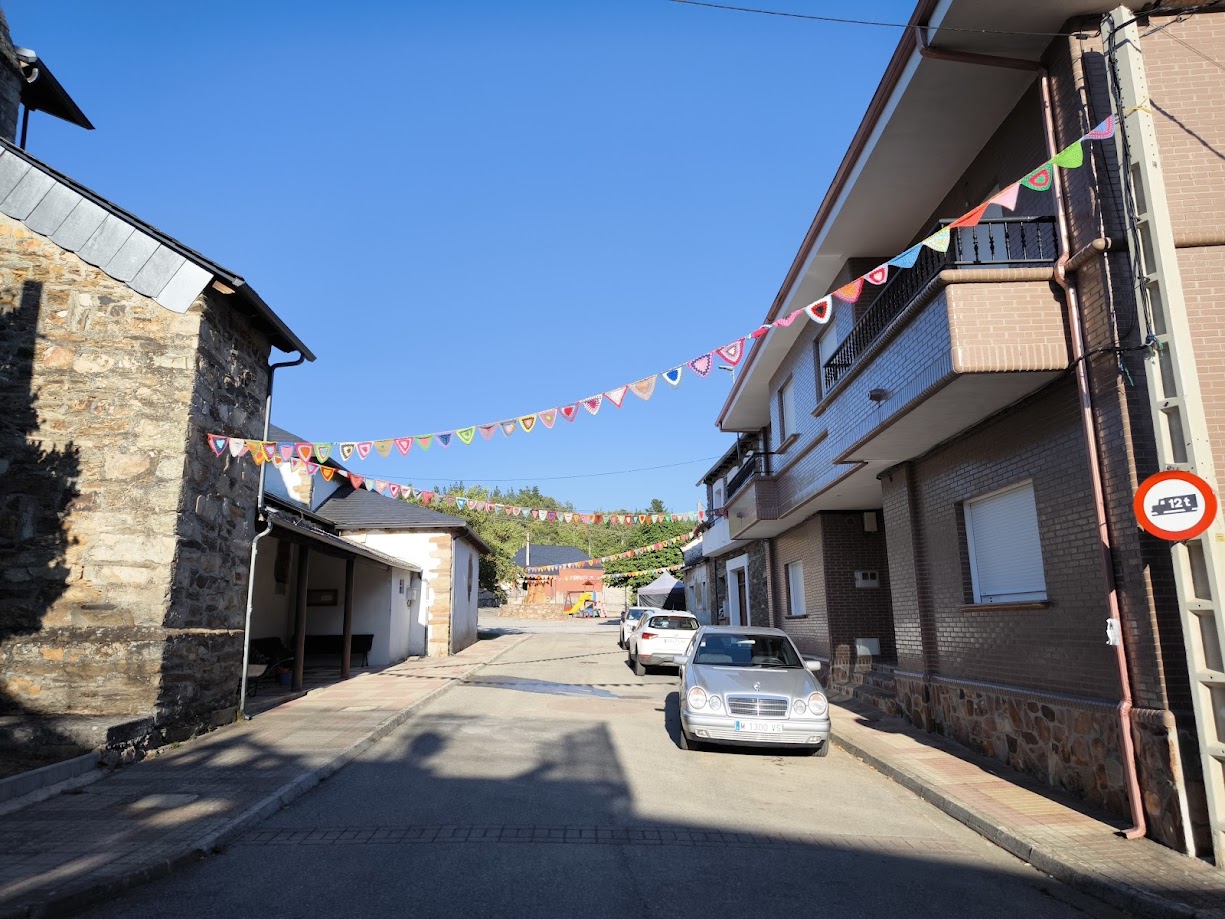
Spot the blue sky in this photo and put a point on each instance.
(472, 210)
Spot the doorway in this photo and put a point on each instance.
(738, 591)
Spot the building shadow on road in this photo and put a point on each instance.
(448, 818)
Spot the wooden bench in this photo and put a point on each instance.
(334, 644)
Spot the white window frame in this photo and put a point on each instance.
(793, 574)
(786, 410)
(1016, 539)
(825, 345)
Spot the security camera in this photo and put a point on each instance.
(25, 55)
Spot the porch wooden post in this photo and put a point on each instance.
(299, 619)
(346, 650)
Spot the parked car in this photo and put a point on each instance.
(629, 621)
(661, 637)
(750, 687)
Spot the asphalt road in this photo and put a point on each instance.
(551, 784)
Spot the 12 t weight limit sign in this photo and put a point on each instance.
(1175, 505)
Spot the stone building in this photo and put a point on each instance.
(124, 543)
(938, 480)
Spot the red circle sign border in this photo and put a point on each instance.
(1210, 505)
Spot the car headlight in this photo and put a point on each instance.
(818, 704)
(697, 697)
(715, 703)
(798, 707)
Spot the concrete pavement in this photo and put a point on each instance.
(143, 821)
(1053, 832)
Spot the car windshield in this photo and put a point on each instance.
(675, 623)
(740, 650)
(635, 614)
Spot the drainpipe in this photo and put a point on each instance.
(259, 509)
(1076, 332)
(1072, 298)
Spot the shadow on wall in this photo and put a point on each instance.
(38, 486)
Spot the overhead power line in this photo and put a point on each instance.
(869, 22)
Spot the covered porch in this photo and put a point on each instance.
(325, 607)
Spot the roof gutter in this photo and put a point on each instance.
(888, 83)
(260, 506)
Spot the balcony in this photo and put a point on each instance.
(751, 499)
(1016, 242)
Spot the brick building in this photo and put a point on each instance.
(916, 479)
(563, 581)
(124, 542)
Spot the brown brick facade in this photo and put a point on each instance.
(1033, 684)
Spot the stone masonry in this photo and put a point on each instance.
(441, 581)
(123, 540)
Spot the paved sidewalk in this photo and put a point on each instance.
(1053, 832)
(144, 820)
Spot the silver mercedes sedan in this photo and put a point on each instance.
(750, 686)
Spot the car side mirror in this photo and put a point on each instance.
(812, 665)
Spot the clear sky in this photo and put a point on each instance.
(475, 209)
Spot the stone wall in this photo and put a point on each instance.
(441, 582)
(1066, 742)
(123, 540)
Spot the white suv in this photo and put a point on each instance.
(629, 621)
(661, 638)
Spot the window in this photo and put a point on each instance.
(794, 572)
(824, 349)
(786, 411)
(1004, 548)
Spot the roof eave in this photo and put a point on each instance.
(907, 45)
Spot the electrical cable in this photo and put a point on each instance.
(873, 22)
(587, 475)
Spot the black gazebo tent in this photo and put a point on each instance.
(665, 592)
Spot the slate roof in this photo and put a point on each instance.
(361, 509)
(298, 524)
(144, 258)
(350, 507)
(551, 555)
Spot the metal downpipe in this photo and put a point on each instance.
(259, 509)
(1139, 826)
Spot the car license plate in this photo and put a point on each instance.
(759, 727)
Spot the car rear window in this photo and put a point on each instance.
(635, 614)
(676, 623)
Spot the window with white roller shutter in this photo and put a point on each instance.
(1005, 548)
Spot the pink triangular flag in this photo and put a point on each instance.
(1006, 198)
(617, 396)
(732, 352)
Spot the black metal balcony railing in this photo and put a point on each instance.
(754, 465)
(1016, 242)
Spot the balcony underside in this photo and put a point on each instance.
(944, 411)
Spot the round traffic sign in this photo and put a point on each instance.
(1175, 505)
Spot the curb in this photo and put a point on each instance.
(71, 901)
(1131, 899)
(28, 788)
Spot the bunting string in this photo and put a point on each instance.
(634, 574)
(629, 553)
(820, 311)
(429, 498)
